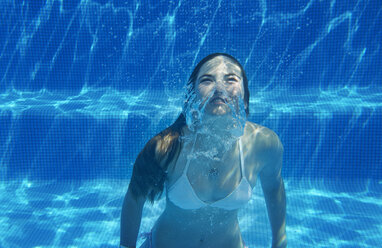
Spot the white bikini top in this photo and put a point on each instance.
(182, 194)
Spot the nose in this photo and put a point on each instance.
(220, 86)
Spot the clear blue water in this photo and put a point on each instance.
(85, 84)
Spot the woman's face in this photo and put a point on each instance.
(219, 84)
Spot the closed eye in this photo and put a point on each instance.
(206, 80)
(232, 77)
(232, 80)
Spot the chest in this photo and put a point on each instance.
(212, 175)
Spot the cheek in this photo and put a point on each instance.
(203, 91)
(236, 90)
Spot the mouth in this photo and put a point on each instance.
(218, 100)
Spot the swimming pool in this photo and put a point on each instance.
(85, 84)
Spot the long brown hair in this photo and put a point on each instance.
(150, 167)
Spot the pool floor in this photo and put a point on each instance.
(87, 214)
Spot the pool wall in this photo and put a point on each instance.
(84, 84)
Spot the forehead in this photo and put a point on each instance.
(220, 64)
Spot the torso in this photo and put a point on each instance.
(208, 227)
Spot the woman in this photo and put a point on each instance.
(208, 161)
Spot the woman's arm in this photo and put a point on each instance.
(131, 219)
(276, 205)
(274, 192)
(147, 175)
(147, 182)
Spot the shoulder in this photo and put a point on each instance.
(263, 142)
(262, 136)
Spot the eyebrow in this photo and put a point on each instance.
(227, 75)
(233, 74)
(205, 75)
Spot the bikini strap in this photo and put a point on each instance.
(241, 158)
(189, 159)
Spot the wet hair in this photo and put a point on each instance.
(149, 172)
(150, 167)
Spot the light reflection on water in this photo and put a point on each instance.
(106, 102)
(87, 215)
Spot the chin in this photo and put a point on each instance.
(219, 111)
